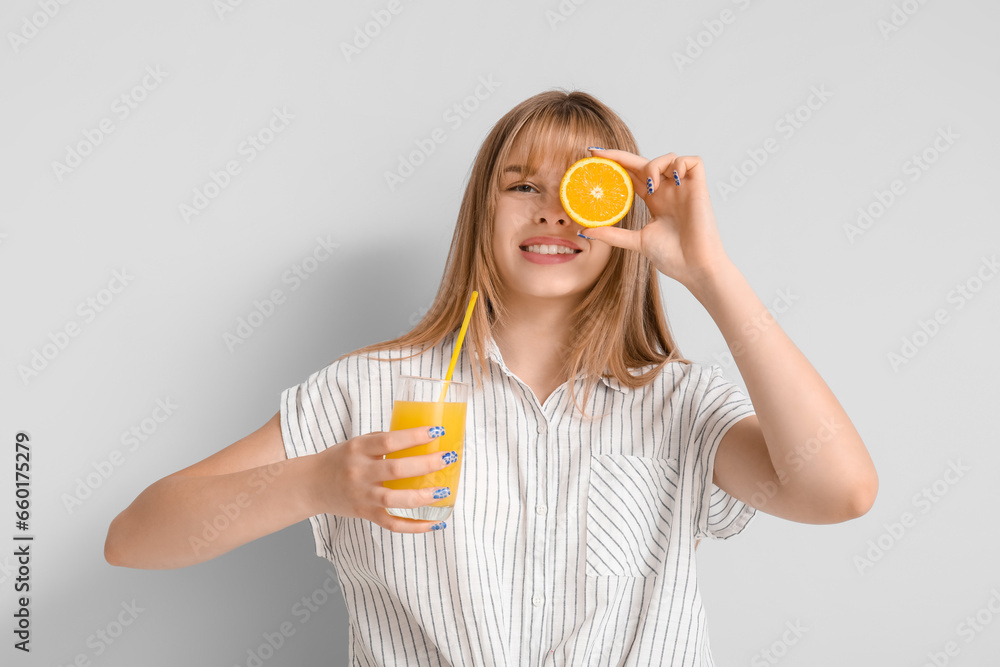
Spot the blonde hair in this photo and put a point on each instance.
(619, 325)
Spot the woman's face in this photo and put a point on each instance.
(532, 232)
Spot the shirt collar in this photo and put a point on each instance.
(495, 355)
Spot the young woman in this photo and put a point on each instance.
(595, 456)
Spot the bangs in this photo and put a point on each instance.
(557, 134)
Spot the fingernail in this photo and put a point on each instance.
(649, 185)
(439, 525)
(677, 179)
(594, 148)
(450, 457)
(436, 431)
(584, 237)
(443, 492)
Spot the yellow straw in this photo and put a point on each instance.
(458, 343)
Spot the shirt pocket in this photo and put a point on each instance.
(630, 511)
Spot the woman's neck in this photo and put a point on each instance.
(534, 344)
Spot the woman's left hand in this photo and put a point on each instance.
(681, 238)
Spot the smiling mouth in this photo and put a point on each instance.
(550, 249)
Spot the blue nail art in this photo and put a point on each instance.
(649, 185)
(594, 148)
(443, 492)
(437, 431)
(677, 179)
(450, 457)
(584, 237)
(439, 525)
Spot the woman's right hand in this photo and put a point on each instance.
(349, 476)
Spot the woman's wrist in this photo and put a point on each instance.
(711, 280)
(307, 488)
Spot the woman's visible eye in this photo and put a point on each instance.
(519, 186)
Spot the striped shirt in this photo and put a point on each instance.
(572, 541)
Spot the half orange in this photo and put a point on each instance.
(596, 192)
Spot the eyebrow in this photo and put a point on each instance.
(517, 169)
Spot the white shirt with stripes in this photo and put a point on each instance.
(572, 541)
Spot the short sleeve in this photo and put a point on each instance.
(317, 413)
(314, 416)
(722, 404)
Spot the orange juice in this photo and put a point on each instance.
(450, 415)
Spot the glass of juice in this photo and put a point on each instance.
(417, 401)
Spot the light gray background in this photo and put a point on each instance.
(323, 176)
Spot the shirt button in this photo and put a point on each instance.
(541, 428)
(538, 600)
(541, 509)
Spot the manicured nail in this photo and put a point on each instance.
(584, 237)
(677, 179)
(437, 431)
(439, 525)
(443, 492)
(450, 458)
(594, 148)
(649, 185)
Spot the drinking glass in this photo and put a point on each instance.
(417, 401)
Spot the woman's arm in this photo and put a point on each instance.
(243, 492)
(800, 457)
(250, 489)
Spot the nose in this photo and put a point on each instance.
(554, 212)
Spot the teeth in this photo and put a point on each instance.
(551, 250)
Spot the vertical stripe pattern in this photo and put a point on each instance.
(572, 540)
